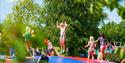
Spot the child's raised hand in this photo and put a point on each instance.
(85, 46)
(57, 22)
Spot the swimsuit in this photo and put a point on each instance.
(62, 36)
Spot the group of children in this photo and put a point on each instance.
(91, 44)
(50, 49)
(34, 51)
(62, 26)
(30, 33)
(103, 46)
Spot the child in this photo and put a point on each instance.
(50, 49)
(91, 44)
(102, 41)
(39, 56)
(36, 51)
(62, 27)
(27, 37)
(99, 55)
(33, 33)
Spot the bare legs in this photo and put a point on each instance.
(101, 53)
(28, 45)
(92, 58)
(90, 54)
(63, 47)
(62, 44)
(88, 59)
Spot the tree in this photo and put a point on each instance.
(82, 16)
(121, 10)
(24, 14)
(114, 32)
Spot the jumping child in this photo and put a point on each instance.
(62, 27)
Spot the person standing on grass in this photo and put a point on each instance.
(62, 26)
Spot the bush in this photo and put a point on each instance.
(113, 57)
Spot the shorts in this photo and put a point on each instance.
(102, 48)
(62, 41)
(28, 44)
(91, 53)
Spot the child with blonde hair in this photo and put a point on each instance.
(91, 44)
(27, 37)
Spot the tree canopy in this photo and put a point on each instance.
(114, 32)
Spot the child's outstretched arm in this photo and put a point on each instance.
(66, 24)
(87, 44)
(57, 24)
(97, 40)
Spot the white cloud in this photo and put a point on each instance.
(112, 15)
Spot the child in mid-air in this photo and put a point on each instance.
(91, 44)
(62, 27)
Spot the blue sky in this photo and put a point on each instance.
(112, 15)
(6, 5)
(5, 8)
